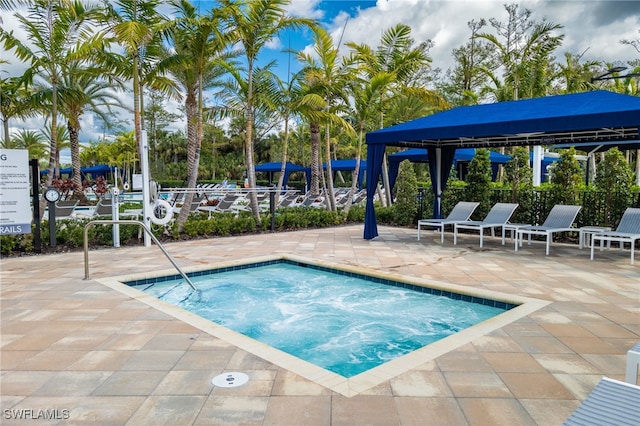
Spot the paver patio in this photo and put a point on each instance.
(85, 353)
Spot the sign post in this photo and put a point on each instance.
(15, 209)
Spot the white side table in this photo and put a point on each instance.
(587, 231)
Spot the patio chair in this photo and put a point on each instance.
(287, 200)
(497, 217)
(611, 402)
(628, 231)
(103, 208)
(560, 219)
(195, 203)
(227, 204)
(461, 213)
(65, 209)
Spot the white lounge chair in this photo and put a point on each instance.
(611, 402)
(461, 213)
(628, 231)
(560, 219)
(497, 217)
(633, 362)
(226, 204)
(195, 203)
(65, 209)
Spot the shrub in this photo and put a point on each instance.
(479, 183)
(567, 178)
(519, 176)
(406, 190)
(615, 178)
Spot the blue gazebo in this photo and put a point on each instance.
(568, 119)
(276, 167)
(348, 165)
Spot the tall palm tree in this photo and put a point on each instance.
(83, 89)
(196, 65)
(254, 23)
(386, 73)
(287, 101)
(326, 76)
(55, 28)
(136, 26)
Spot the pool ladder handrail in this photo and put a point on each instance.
(127, 222)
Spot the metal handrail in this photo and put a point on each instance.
(127, 222)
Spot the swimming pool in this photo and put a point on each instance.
(347, 386)
(345, 323)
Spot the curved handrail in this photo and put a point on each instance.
(127, 222)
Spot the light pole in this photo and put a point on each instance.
(607, 75)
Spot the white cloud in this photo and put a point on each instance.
(585, 24)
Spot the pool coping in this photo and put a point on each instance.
(347, 387)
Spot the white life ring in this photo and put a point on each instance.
(160, 205)
(126, 186)
(153, 190)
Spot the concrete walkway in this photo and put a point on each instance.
(76, 351)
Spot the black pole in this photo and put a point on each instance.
(52, 224)
(272, 209)
(35, 190)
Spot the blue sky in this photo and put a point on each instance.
(592, 28)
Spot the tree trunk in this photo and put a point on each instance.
(283, 167)
(330, 192)
(76, 176)
(191, 109)
(315, 159)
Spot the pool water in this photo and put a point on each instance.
(343, 322)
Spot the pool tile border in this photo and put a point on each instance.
(519, 307)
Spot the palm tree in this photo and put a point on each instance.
(123, 152)
(198, 61)
(327, 77)
(62, 142)
(386, 74)
(254, 23)
(32, 141)
(288, 96)
(136, 25)
(55, 28)
(14, 103)
(575, 76)
(83, 88)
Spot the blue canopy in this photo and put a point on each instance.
(95, 171)
(276, 167)
(348, 165)
(419, 155)
(572, 118)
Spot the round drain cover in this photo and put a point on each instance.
(230, 380)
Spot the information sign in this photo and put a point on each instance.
(15, 209)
